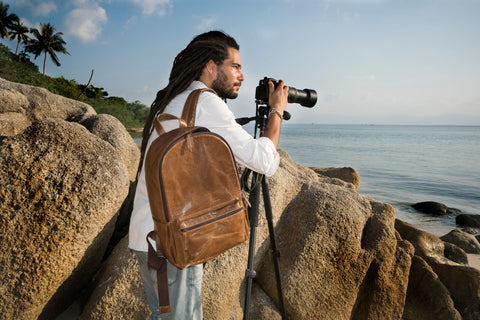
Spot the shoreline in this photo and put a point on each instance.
(135, 130)
(474, 260)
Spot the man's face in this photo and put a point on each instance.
(229, 76)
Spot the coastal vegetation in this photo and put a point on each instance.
(47, 41)
(6, 19)
(17, 67)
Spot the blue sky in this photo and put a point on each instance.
(371, 61)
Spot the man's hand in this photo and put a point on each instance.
(278, 98)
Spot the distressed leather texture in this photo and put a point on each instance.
(194, 191)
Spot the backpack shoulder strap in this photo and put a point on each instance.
(166, 116)
(157, 261)
(190, 107)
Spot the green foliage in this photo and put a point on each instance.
(6, 19)
(127, 113)
(15, 69)
(47, 41)
(64, 87)
(20, 32)
(18, 68)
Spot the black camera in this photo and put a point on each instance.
(306, 97)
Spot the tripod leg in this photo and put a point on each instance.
(253, 217)
(276, 252)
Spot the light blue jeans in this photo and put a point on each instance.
(184, 288)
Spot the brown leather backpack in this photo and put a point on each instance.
(194, 193)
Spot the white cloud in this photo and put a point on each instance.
(29, 24)
(38, 8)
(45, 8)
(153, 7)
(86, 23)
(130, 22)
(79, 3)
(205, 24)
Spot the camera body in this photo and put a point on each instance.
(306, 97)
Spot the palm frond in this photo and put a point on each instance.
(48, 41)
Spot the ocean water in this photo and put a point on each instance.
(399, 165)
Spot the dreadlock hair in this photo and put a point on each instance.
(219, 36)
(187, 67)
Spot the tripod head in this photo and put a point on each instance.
(261, 117)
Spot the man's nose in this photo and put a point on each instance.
(241, 77)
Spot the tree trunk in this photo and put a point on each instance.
(44, 62)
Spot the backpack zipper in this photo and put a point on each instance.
(211, 220)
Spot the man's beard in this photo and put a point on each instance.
(220, 87)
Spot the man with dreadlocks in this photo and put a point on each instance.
(210, 60)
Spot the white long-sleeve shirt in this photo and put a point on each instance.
(212, 112)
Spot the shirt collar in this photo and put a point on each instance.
(197, 85)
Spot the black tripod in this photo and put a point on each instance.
(259, 181)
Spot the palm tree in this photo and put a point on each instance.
(46, 40)
(6, 19)
(19, 31)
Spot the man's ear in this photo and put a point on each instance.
(209, 73)
(211, 68)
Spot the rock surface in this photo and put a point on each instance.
(340, 257)
(464, 240)
(346, 174)
(12, 123)
(21, 105)
(461, 282)
(34, 103)
(435, 208)
(118, 289)
(110, 129)
(469, 220)
(61, 191)
(427, 296)
(454, 253)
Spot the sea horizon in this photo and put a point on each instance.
(399, 164)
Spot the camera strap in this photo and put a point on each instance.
(245, 179)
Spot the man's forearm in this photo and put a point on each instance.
(273, 128)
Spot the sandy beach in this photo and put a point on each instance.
(474, 260)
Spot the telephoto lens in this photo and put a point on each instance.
(306, 97)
